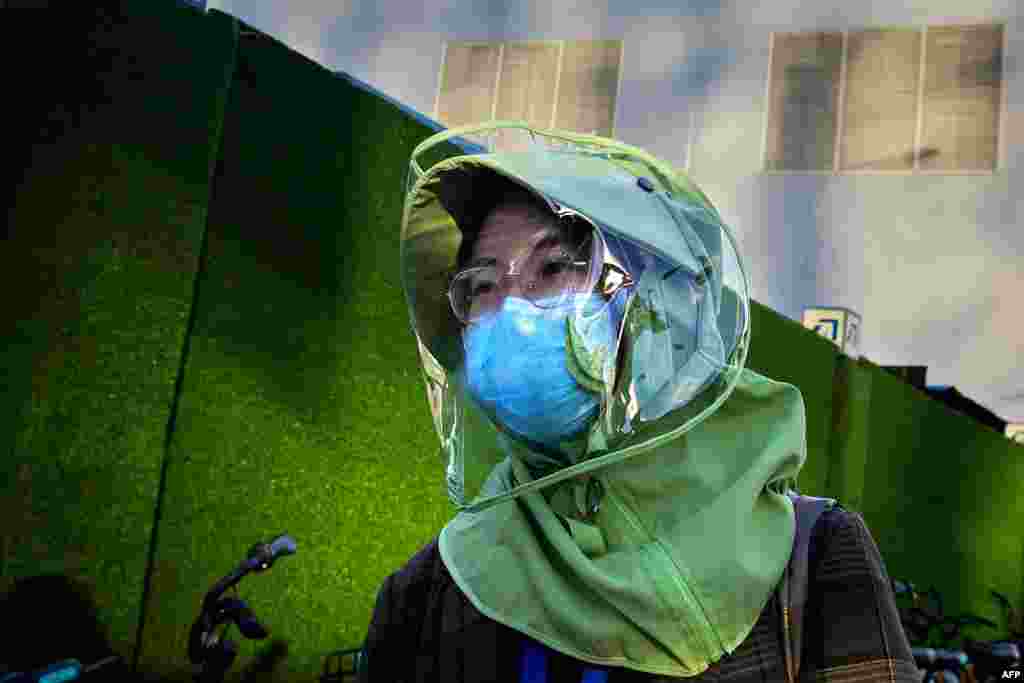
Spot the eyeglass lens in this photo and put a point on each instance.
(551, 272)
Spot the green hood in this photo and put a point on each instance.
(654, 541)
(675, 567)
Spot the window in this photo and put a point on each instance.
(803, 100)
(568, 85)
(896, 100)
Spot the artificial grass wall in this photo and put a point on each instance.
(943, 496)
(300, 406)
(115, 134)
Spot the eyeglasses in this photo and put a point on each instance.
(573, 262)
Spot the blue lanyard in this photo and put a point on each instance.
(535, 665)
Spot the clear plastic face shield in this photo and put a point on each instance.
(606, 319)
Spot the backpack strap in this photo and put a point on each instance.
(534, 666)
(795, 579)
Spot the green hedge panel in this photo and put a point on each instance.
(103, 242)
(942, 498)
(850, 431)
(303, 408)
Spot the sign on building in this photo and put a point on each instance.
(839, 325)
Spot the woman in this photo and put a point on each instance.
(582, 314)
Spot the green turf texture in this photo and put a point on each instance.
(103, 241)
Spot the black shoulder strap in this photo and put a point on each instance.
(794, 586)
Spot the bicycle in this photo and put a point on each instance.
(978, 661)
(990, 659)
(941, 666)
(212, 654)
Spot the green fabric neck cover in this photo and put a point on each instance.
(673, 569)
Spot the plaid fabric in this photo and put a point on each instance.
(853, 631)
(424, 629)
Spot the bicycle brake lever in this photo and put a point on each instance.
(241, 614)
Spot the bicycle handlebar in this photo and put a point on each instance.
(260, 558)
(211, 652)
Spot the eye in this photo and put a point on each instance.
(556, 267)
(552, 268)
(481, 288)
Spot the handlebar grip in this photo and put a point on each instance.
(283, 545)
(263, 555)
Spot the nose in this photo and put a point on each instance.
(511, 283)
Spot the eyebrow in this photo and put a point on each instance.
(480, 262)
(553, 238)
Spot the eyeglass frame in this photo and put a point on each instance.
(609, 268)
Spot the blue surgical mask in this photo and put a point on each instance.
(516, 368)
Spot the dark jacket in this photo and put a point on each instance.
(424, 629)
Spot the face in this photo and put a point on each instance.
(516, 231)
(518, 237)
